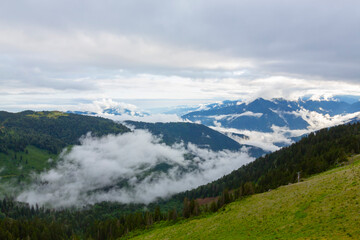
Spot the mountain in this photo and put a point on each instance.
(197, 134)
(112, 111)
(272, 124)
(179, 110)
(261, 115)
(106, 107)
(263, 124)
(53, 143)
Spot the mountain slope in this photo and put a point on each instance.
(272, 124)
(313, 154)
(261, 115)
(188, 133)
(322, 207)
(51, 131)
(28, 139)
(197, 134)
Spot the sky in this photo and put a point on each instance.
(161, 53)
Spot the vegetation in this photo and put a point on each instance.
(51, 131)
(28, 139)
(313, 154)
(19, 165)
(198, 134)
(188, 132)
(324, 206)
(101, 221)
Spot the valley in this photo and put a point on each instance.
(260, 198)
(179, 120)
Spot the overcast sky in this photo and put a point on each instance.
(71, 51)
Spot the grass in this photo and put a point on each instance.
(53, 114)
(325, 206)
(20, 164)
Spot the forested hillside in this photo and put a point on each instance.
(51, 131)
(28, 139)
(315, 153)
(198, 134)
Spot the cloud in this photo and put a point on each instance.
(231, 117)
(264, 140)
(318, 121)
(92, 171)
(98, 107)
(270, 141)
(273, 35)
(153, 118)
(176, 50)
(166, 89)
(120, 111)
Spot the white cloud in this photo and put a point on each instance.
(264, 140)
(282, 135)
(153, 118)
(122, 112)
(318, 121)
(83, 174)
(167, 88)
(231, 117)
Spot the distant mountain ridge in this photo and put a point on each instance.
(109, 107)
(112, 111)
(266, 124)
(261, 115)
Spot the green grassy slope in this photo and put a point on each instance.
(325, 206)
(16, 164)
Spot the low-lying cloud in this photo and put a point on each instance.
(94, 170)
(280, 136)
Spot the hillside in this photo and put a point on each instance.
(324, 206)
(198, 134)
(28, 139)
(313, 154)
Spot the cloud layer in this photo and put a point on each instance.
(68, 51)
(93, 171)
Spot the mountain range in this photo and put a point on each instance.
(261, 123)
(261, 115)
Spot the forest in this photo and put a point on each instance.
(50, 131)
(315, 153)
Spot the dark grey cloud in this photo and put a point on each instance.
(302, 37)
